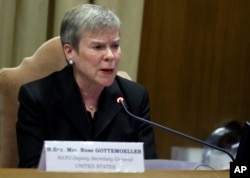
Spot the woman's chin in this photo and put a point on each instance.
(108, 82)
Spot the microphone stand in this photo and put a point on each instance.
(122, 102)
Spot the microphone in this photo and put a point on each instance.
(120, 100)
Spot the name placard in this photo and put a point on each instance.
(81, 156)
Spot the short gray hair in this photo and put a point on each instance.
(86, 18)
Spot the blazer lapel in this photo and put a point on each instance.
(76, 114)
(109, 108)
(72, 104)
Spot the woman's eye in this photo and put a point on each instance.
(115, 46)
(98, 47)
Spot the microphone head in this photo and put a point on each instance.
(119, 99)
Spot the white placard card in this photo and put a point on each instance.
(79, 156)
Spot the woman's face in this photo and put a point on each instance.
(98, 57)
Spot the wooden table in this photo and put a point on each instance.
(33, 173)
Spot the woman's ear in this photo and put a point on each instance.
(68, 51)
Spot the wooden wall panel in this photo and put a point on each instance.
(194, 60)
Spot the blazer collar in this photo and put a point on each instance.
(72, 104)
(108, 109)
(74, 109)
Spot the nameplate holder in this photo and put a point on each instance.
(88, 156)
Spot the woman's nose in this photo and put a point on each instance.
(109, 54)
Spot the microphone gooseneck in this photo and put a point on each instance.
(121, 101)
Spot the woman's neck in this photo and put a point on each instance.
(90, 94)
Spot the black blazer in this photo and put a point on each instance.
(52, 109)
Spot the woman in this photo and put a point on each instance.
(79, 102)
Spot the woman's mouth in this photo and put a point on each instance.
(107, 71)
